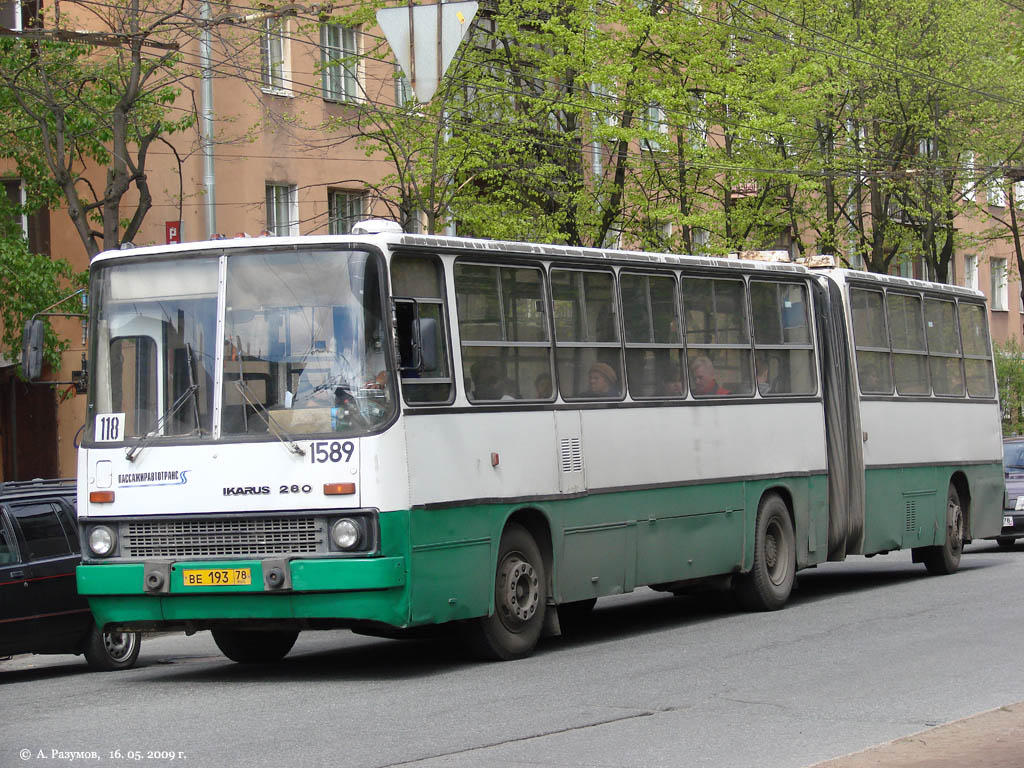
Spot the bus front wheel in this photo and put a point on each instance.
(520, 598)
(945, 558)
(247, 646)
(767, 586)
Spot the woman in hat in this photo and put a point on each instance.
(602, 381)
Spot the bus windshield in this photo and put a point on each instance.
(304, 346)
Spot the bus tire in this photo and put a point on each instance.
(770, 581)
(944, 559)
(110, 651)
(520, 598)
(250, 646)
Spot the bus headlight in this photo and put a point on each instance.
(101, 540)
(345, 533)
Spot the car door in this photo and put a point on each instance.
(60, 615)
(17, 627)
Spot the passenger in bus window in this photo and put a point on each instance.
(704, 381)
(488, 379)
(602, 381)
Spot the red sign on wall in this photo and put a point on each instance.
(173, 229)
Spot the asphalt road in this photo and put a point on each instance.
(867, 651)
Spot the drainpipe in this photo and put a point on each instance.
(206, 120)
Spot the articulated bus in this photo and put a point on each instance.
(384, 431)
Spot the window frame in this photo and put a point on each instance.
(340, 76)
(924, 352)
(988, 358)
(291, 226)
(616, 309)
(811, 335)
(858, 347)
(680, 331)
(742, 279)
(274, 73)
(549, 343)
(445, 329)
(342, 225)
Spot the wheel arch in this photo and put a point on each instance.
(963, 489)
(538, 526)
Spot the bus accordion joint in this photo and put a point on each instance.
(339, 489)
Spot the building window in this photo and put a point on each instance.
(997, 192)
(998, 269)
(654, 122)
(339, 49)
(971, 272)
(273, 48)
(282, 209)
(346, 208)
(15, 193)
(970, 189)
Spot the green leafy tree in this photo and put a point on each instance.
(1009, 359)
(72, 103)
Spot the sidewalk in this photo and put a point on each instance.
(993, 739)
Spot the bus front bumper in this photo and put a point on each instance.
(316, 590)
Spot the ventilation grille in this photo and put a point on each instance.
(571, 454)
(216, 538)
(911, 523)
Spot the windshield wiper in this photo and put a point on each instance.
(189, 393)
(143, 441)
(272, 426)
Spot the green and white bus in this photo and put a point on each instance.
(384, 431)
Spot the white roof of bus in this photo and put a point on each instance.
(536, 250)
(461, 244)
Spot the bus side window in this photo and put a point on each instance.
(977, 354)
(909, 355)
(784, 353)
(717, 337)
(587, 348)
(871, 337)
(417, 288)
(943, 347)
(503, 328)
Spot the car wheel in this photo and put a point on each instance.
(109, 651)
(1005, 542)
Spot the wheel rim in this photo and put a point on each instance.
(776, 553)
(955, 518)
(518, 592)
(119, 645)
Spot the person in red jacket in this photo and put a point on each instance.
(704, 382)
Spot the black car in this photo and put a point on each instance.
(40, 608)
(1013, 498)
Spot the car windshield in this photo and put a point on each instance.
(304, 346)
(1013, 455)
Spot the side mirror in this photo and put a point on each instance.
(427, 343)
(32, 348)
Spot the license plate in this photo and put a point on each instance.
(217, 577)
(1008, 521)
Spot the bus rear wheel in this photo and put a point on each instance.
(945, 558)
(250, 646)
(770, 581)
(520, 598)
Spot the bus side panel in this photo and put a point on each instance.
(450, 562)
(689, 532)
(985, 516)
